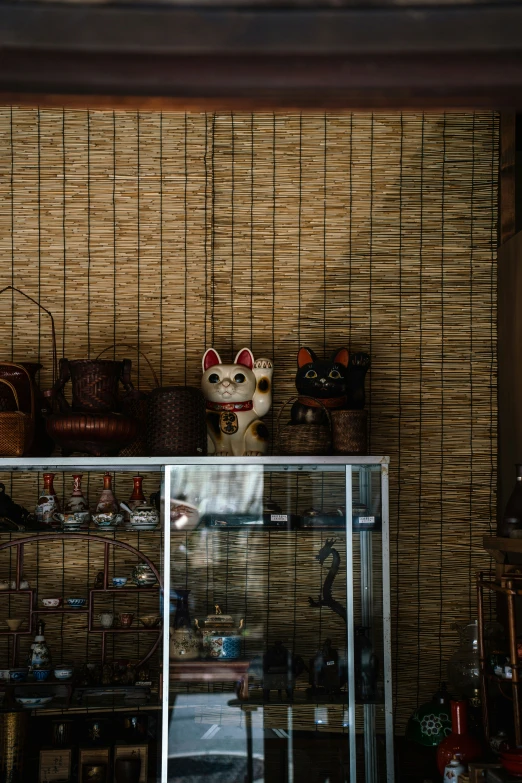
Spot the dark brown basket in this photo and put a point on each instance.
(176, 422)
(95, 383)
(349, 432)
(135, 404)
(301, 440)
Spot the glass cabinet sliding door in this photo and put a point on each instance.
(278, 620)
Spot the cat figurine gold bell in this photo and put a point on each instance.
(237, 395)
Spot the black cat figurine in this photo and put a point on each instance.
(337, 382)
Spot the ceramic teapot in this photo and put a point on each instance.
(220, 638)
(143, 517)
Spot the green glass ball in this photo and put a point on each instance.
(431, 722)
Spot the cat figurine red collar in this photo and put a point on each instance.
(237, 396)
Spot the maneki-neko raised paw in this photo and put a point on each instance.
(237, 395)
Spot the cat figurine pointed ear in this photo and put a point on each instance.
(237, 395)
(337, 382)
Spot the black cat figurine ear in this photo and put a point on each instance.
(305, 356)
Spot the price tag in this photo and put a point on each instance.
(278, 517)
(367, 520)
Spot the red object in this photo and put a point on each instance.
(512, 761)
(459, 741)
(137, 496)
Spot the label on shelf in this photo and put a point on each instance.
(278, 517)
(366, 520)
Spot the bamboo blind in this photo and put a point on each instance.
(378, 232)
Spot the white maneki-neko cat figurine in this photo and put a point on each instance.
(237, 395)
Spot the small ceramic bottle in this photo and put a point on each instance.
(107, 503)
(453, 770)
(48, 503)
(137, 497)
(77, 503)
(39, 657)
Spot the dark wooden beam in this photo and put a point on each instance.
(507, 181)
(248, 83)
(216, 58)
(271, 31)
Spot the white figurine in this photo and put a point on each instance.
(237, 395)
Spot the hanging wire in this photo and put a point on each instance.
(399, 432)
(161, 249)
(299, 231)
(371, 286)
(39, 231)
(138, 227)
(441, 486)
(419, 513)
(185, 261)
(471, 259)
(12, 229)
(88, 234)
(114, 230)
(350, 213)
(251, 231)
(232, 237)
(205, 241)
(212, 231)
(324, 233)
(274, 128)
(63, 234)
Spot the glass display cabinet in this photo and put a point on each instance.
(279, 620)
(262, 589)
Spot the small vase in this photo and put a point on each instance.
(453, 770)
(107, 504)
(137, 497)
(460, 742)
(77, 503)
(48, 503)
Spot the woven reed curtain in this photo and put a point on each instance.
(378, 232)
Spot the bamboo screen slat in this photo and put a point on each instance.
(179, 232)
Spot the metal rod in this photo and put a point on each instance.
(513, 657)
(349, 626)
(18, 565)
(106, 566)
(386, 623)
(482, 656)
(166, 626)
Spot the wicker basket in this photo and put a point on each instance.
(303, 440)
(176, 422)
(135, 404)
(16, 428)
(349, 432)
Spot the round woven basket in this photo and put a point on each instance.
(349, 432)
(301, 440)
(176, 422)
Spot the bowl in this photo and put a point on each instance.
(19, 674)
(41, 674)
(76, 603)
(150, 620)
(107, 521)
(119, 581)
(33, 702)
(63, 672)
(51, 602)
(14, 623)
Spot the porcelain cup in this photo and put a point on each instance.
(14, 623)
(106, 619)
